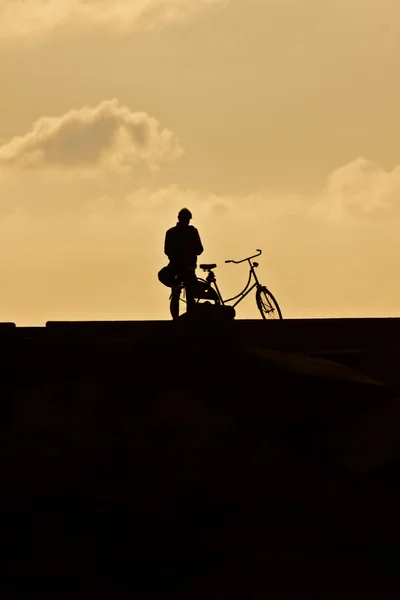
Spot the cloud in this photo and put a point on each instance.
(21, 18)
(360, 189)
(109, 136)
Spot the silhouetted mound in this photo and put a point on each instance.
(207, 311)
(188, 462)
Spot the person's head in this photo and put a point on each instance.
(184, 216)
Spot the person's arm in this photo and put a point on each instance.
(167, 244)
(199, 245)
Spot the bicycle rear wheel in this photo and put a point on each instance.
(178, 304)
(178, 301)
(267, 305)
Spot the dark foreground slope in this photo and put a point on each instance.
(247, 459)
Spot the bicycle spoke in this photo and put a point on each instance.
(266, 305)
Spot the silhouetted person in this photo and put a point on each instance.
(183, 246)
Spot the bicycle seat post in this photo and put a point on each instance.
(210, 277)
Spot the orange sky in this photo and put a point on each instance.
(275, 122)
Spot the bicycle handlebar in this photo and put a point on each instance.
(236, 262)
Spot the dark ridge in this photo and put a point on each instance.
(233, 459)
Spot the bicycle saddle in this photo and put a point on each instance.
(207, 267)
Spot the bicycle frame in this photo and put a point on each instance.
(246, 290)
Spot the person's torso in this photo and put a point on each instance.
(183, 245)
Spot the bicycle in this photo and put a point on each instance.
(208, 290)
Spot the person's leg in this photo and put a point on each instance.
(190, 281)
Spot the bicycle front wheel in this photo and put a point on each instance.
(267, 305)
